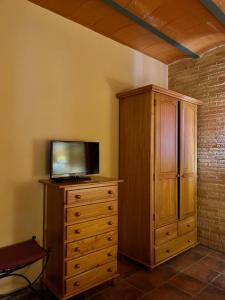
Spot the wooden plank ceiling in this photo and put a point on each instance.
(188, 23)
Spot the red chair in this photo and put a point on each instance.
(18, 256)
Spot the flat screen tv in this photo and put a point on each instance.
(73, 159)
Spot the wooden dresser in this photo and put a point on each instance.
(80, 229)
(158, 162)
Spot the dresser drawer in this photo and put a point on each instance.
(186, 225)
(165, 234)
(90, 278)
(88, 229)
(92, 195)
(171, 248)
(91, 211)
(91, 244)
(90, 261)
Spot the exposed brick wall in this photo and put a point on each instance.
(204, 79)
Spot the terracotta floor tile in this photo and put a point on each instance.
(218, 255)
(202, 250)
(96, 297)
(201, 272)
(166, 292)
(147, 280)
(122, 291)
(185, 260)
(212, 293)
(127, 267)
(219, 281)
(214, 263)
(187, 283)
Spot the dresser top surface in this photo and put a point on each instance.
(94, 181)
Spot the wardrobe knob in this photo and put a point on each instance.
(189, 241)
(76, 284)
(109, 270)
(76, 249)
(110, 223)
(77, 196)
(167, 233)
(77, 231)
(109, 254)
(167, 251)
(110, 192)
(110, 207)
(77, 214)
(188, 225)
(109, 239)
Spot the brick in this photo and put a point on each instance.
(204, 79)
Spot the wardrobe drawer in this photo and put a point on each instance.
(90, 261)
(90, 278)
(166, 233)
(92, 195)
(92, 211)
(91, 244)
(186, 225)
(90, 228)
(171, 248)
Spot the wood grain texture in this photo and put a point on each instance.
(188, 159)
(165, 233)
(166, 160)
(80, 283)
(81, 238)
(90, 261)
(187, 225)
(134, 169)
(158, 90)
(175, 246)
(87, 196)
(54, 237)
(92, 211)
(87, 229)
(152, 157)
(85, 246)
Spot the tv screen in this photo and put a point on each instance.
(73, 158)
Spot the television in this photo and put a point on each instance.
(73, 159)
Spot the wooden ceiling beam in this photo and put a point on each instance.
(123, 10)
(214, 9)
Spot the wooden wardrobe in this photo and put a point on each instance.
(158, 163)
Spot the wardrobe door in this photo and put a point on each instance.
(188, 159)
(166, 157)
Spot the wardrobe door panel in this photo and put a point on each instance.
(165, 160)
(188, 156)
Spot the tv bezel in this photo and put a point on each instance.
(69, 175)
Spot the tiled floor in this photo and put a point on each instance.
(196, 274)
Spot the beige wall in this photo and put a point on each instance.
(57, 81)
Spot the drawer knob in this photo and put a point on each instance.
(109, 239)
(109, 254)
(167, 233)
(110, 207)
(167, 251)
(77, 266)
(77, 196)
(109, 270)
(110, 192)
(77, 214)
(189, 241)
(76, 249)
(76, 283)
(110, 222)
(77, 231)
(188, 225)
